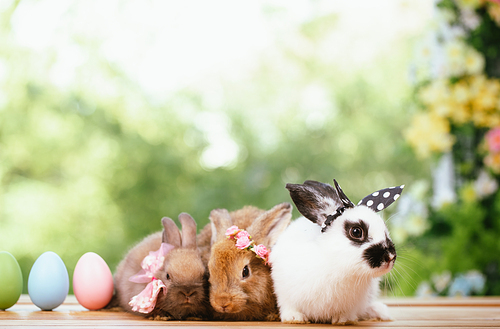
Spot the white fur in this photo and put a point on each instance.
(322, 277)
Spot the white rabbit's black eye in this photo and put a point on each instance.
(246, 272)
(356, 232)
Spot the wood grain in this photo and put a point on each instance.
(407, 313)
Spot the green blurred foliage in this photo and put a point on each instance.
(462, 235)
(96, 165)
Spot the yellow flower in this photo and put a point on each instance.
(468, 193)
(492, 161)
(481, 118)
(460, 92)
(455, 52)
(460, 114)
(472, 4)
(494, 120)
(474, 62)
(462, 59)
(436, 91)
(494, 12)
(429, 133)
(492, 86)
(476, 83)
(443, 109)
(484, 102)
(486, 98)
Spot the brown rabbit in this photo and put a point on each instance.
(240, 283)
(183, 273)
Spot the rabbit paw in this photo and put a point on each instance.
(293, 317)
(273, 317)
(344, 320)
(161, 318)
(377, 311)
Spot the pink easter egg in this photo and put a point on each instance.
(92, 282)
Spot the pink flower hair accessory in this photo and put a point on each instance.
(145, 301)
(244, 242)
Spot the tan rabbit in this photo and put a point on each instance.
(243, 217)
(183, 273)
(240, 283)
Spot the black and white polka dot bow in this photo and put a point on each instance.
(377, 201)
(382, 198)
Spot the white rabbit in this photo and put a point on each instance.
(326, 266)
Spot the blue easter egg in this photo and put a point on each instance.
(48, 281)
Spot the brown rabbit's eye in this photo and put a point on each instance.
(246, 272)
(168, 276)
(356, 232)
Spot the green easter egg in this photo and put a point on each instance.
(11, 280)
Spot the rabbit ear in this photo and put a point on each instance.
(382, 199)
(267, 227)
(188, 230)
(220, 221)
(171, 234)
(316, 200)
(343, 198)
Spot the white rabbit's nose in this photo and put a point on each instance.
(390, 258)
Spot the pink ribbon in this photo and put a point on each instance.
(145, 301)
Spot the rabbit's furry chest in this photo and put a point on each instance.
(318, 281)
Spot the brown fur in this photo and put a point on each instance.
(232, 296)
(236, 299)
(204, 244)
(187, 285)
(243, 217)
(131, 265)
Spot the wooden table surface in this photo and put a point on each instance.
(407, 313)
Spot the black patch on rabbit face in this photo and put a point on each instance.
(357, 232)
(380, 253)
